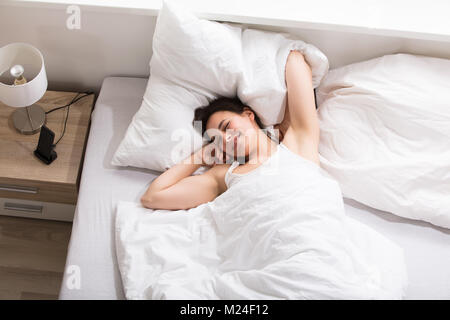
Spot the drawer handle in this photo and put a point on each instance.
(22, 207)
(5, 187)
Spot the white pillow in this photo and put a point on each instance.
(385, 134)
(262, 85)
(195, 61)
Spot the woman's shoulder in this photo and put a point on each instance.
(218, 172)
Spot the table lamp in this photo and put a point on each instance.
(26, 84)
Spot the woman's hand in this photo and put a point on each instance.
(206, 155)
(295, 56)
(176, 188)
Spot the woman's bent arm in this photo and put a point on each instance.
(176, 189)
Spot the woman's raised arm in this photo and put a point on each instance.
(302, 136)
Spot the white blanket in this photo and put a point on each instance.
(280, 232)
(385, 134)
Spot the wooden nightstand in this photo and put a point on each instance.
(30, 188)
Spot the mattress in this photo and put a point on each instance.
(91, 266)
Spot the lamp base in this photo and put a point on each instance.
(29, 120)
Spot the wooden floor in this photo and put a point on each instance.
(32, 257)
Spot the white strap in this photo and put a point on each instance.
(230, 169)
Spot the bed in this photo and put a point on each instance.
(91, 253)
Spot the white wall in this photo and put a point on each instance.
(108, 44)
(111, 43)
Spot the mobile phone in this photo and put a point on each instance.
(45, 147)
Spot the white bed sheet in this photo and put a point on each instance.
(92, 244)
(102, 185)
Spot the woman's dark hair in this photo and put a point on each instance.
(222, 104)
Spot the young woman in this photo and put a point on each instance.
(237, 128)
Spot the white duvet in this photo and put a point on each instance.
(280, 232)
(385, 134)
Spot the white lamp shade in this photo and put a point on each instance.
(31, 59)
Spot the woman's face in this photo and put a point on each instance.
(233, 133)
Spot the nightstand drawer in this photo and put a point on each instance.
(38, 191)
(36, 209)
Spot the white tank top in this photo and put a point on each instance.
(231, 178)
